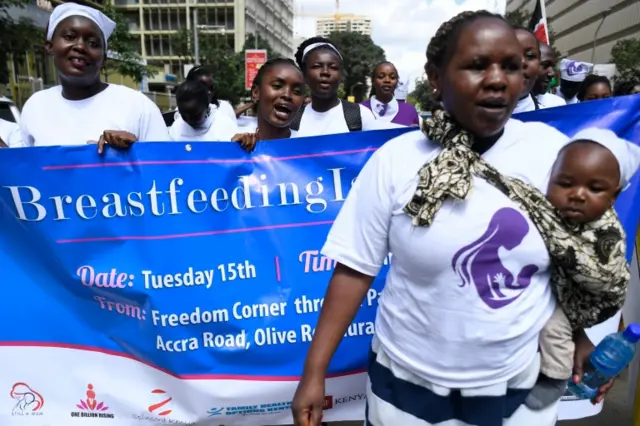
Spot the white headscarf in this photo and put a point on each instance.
(627, 153)
(65, 10)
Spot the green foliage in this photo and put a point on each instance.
(219, 54)
(16, 37)
(423, 95)
(123, 45)
(250, 43)
(625, 54)
(518, 17)
(360, 56)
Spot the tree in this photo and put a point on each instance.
(625, 54)
(217, 53)
(17, 36)
(360, 56)
(250, 43)
(423, 95)
(122, 44)
(518, 17)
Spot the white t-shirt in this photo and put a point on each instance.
(10, 133)
(466, 297)
(225, 108)
(247, 123)
(217, 128)
(330, 122)
(525, 104)
(250, 125)
(549, 100)
(49, 119)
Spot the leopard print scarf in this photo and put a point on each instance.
(590, 273)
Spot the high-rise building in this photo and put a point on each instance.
(326, 25)
(578, 25)
(153, 22)
(298, 40)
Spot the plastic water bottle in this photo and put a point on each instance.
(609, 358)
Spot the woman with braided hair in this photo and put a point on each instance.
(468, 290)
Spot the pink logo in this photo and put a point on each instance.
(91, 404)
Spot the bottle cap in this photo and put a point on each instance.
(632, 333)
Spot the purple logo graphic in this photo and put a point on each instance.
(574, 68)
(479, 262)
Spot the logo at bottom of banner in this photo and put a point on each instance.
(91, 407)
(330, 402)
(29, 402)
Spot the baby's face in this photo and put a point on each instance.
(585, 181)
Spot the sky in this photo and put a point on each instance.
(402, 28)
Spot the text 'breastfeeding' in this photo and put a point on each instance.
(177, 196)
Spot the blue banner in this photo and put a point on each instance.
(197, 258)
(190, 261)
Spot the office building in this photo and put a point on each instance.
(577, 24)
(326, 25)
(297, 41)
(153, 22)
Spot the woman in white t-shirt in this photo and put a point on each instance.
(196, 121)
(530, 69)
(467, 292)
(83, 109)
(277, 94)
(321, 64)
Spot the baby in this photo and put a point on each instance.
(587, 177)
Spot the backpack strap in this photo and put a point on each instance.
(295, 124)
(352, 116)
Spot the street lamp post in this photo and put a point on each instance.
(196, 40)
(604, 15)
(255, 34)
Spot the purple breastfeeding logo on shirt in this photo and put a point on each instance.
(479, 262)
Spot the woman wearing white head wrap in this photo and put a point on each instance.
(572, 74)
(83, 109)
